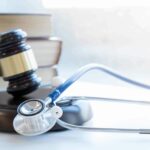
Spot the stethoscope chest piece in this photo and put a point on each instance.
(35, 118)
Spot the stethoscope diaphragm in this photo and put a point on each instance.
(33, 118)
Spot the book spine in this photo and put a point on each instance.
(47, 50)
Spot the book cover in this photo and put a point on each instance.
(47, 51)
(36, 25)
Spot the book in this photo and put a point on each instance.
(36, 25)
(47, 51)
(46, 74)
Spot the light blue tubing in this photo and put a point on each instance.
(60, 89)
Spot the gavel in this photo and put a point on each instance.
(18, 64)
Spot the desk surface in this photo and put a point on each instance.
(73, 140)
(89, 140)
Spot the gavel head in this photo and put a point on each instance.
(18, 64)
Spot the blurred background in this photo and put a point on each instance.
(115, 33)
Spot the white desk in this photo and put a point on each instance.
(87, 140)
(73, 140)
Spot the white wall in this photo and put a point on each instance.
(117, 37)
(23, 6)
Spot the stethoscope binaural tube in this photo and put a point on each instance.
(30, 121)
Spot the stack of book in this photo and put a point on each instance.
(47, 49)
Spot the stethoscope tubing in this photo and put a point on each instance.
(60, 89)
(53, 98)
(105, 99)
(96, 129)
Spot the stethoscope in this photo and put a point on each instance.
(36, 116)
